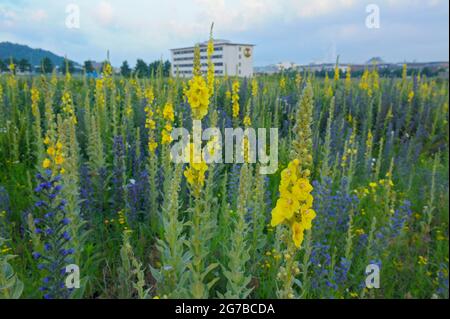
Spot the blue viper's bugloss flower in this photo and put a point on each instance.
(52, 221)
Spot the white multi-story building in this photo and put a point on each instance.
(233, 59)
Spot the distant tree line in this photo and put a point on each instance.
(141, 69)
(46, 66)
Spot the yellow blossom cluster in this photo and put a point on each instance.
(422, 261)
(35, 96)
(410, 97)
(99, 93)
(247, 121)
(195, 173)
(254, 87)
(235, 98)
(369, 141)
(67, 107)
(121, 220)
(210, 73)
(336, 73)
(295, 203)
(107, 74)
(370, 82)
(169, 116)
(198, 97)
(150, 123)
(282, 83)
(364, 83)
(373, 187)
(55, 157)
(107, 69)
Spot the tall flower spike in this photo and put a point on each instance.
(210, 73)
(52, 227)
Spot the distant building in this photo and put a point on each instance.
(234, 59)
(286, 66)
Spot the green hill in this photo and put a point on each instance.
(34, 56)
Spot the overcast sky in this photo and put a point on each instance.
(301, 31)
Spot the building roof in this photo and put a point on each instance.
(216, 42)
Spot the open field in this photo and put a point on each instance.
(86, 178)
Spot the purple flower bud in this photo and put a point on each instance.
(66, 236)
(39, 203)
(48, 215)
(36, 255)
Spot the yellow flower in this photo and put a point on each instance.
(235, 98)
(410, 96)
(297, 234)
(422, 261)
(59, 160)
(46, 163)
(285, 209)
(247, 121)
(166, 138)
(254, 87)
(282, 83)
(278, 216)
(302, 188)
(152, 145)
(307, 216)
(168, 113)
(195, 173)
(51, 151)
(198, 97)
(188, 173)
